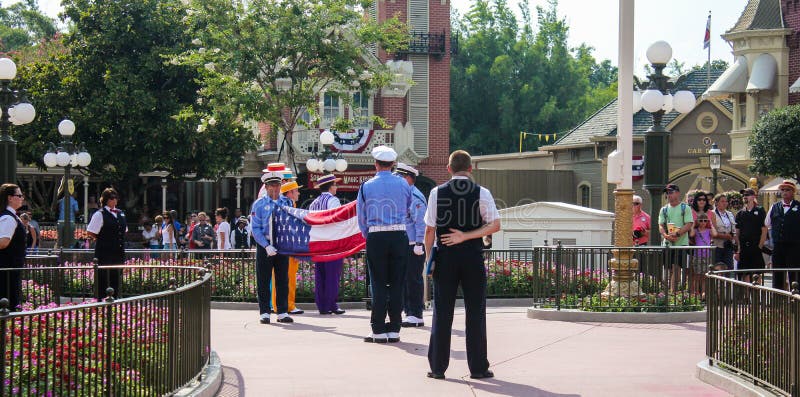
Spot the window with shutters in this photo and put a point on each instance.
(331, 109)
(418, 107)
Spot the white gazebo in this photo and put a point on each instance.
(529, 225)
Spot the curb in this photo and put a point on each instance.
(729, 381)
(311, 307)
(209, 383)
(578, 316)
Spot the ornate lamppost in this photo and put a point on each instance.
(14, 109)
(67, 155)
(715, 162)
(326, 160)
(657, 100)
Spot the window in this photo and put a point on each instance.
(305, 116)
(330, 108)
(765, 105)
(585, 194)
(359, 112)
(742, 103)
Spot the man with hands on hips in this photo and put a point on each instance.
(267, 257)
(413, 301)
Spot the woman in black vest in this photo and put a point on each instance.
(108, 227)
(12, 244)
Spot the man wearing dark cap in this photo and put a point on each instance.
(674, 222)
(382, 205)
(783, 220)
(415, 229)
(751, 233)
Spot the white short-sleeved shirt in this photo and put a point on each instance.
(8, 224)
(96, 223)
(486, 204)
(224, 243)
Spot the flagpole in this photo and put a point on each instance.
(708, 65)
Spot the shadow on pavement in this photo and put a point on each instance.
(232, 383)
(502, 388)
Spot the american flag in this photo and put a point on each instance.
(638, 167)
(322, 236)
(707, 37)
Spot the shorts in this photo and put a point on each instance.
(750, 256)
(676, 257)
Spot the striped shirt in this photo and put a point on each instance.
(325, 201)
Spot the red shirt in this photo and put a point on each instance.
(641, 221)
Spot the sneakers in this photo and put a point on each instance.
(284, 318)
(376, 338)
(296, 311)
(338, 311)
(264, 318)
(393, 337)
(412, 321)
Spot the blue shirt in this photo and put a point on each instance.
(415, 225)
(73, 206)
(382, 201)
(261, 215)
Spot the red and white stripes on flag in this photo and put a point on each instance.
(638, 167)
(707, 38)
(322, 236)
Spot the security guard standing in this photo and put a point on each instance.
(415, 229)
(460, 213)
(108, 227)
(383, 205)
(783, 220)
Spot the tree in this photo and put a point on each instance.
(136, 112)
(775, 143)
(272, 60)
(22, 24)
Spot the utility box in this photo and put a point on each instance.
(529, 225)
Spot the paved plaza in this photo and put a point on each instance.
(325, 356)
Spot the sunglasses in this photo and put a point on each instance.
(635, 203)
(700, 199)
(702, 220)
(786, 190)
(18, 195)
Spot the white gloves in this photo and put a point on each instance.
(419, 250)
(271, 251)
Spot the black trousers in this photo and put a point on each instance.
(108, 278)
(265, 265)
(454, 266)
(785, 254)
(415, 286)
(387, 254)
(11, 288)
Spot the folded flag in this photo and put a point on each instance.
(322, 236)
(637, 166)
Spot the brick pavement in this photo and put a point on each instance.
(325, 356)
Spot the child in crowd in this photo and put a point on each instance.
(703, 235)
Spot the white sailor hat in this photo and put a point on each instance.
(384, 153)
(405, 169)
(268, 177)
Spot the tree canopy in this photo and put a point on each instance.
(22, 24)
(271, 60)
(509, 78)
(135, 111)
(775, 143)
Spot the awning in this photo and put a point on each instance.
(762, 78)
(733, 80)
(795, 87)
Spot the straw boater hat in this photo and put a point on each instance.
(328, 178)
(787, 184)
(273, 172)
(288, 175)
(405, 169)
(289, 186)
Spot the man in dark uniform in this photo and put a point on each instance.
(108, 227)
(382, 206)
(413, 300)
(783, 219)
(460, 213)
(750, 233)
(12, 244)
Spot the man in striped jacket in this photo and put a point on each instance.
(327, 274)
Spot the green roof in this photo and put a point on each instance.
(759, 15)
(604, 121)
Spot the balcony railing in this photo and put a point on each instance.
(426, 43)
(307, 141)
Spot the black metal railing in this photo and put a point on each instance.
(65, 342)
(572, 277)
(426, 43)
(754, 330)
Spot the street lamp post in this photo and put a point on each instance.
(67, 155)
(715, 162)
(657, 100)
(14, 109)
(327, 160)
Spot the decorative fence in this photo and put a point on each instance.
(67, 343)
(755, 330)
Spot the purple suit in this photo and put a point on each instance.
(326, 274)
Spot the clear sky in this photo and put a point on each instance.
(681, 23)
